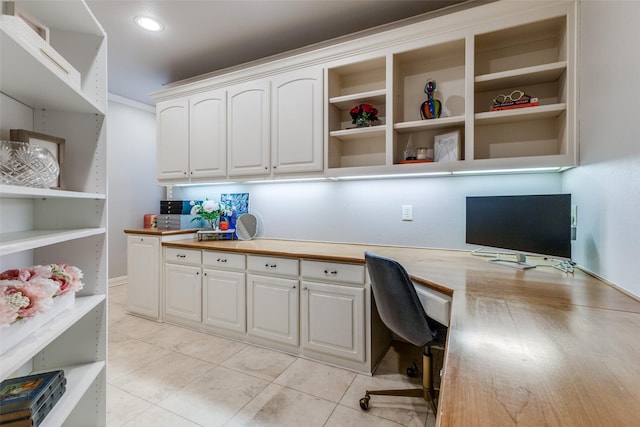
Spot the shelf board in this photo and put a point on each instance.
(32, 239)
(16, 356)
(521, 77)
(520, 114)
(79, 379)
(19, 192)
(420, 125)
(347, 101)
(26, 78)
(358, 133)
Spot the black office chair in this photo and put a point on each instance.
(401, 311)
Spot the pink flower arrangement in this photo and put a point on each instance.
(28, 291)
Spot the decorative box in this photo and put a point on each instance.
(20, 330)
(16, 28)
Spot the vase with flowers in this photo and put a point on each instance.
(363, 115)
(211, 212)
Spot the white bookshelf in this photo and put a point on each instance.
(43, 226)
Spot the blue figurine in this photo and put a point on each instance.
(431, 108)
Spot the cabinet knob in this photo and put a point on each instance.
(294, 286)
(197, 273)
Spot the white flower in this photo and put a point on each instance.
(192, 203)
(210, 206)
(195, 210)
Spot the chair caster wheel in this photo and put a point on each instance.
(364, 403)
(412, 372)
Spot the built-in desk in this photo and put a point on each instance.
(537, 347)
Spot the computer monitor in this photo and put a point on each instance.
(525, 224)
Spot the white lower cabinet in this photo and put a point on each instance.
(223, 300)
(332, 320)
(143, 275)
(318, 309)
(272, 309)
(183, 287)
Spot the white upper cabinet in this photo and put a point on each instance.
(296, 136)
(192, 135)
(208, 135)
(249, 129)
(173, 140)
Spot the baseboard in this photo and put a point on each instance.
(117, 281)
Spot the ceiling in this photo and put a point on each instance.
(206, 35)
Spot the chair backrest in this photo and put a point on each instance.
(397, 300)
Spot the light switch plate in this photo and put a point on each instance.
(407, 212)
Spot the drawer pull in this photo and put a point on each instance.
(222, 260)
(332, 273)
(181, 255)
(271, 265)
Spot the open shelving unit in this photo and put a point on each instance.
(43, 226)
(472, 61)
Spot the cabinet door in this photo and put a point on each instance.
(272, 304)
(333, 320)
(143, 274)
(172, 118)
(249, 129)
(296, 141)
(223, 296)
(182, 293)
(208, 135)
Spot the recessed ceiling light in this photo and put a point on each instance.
(147, 23)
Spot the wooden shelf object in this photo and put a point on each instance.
(44, 226)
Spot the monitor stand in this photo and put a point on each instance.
(519, 263)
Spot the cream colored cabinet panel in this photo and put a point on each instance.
(249, 129)
(172, 118)
(333, 320)
(272, 309)
(143, 275)
(297, 134)
(182, 293)
(208, 135)
(223, 298)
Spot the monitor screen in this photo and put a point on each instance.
(528, 224)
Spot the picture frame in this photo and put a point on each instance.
(52, 143)
(447, 147)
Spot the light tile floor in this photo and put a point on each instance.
(164, 375)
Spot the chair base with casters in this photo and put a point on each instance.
(428, 392)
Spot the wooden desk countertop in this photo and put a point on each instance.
(536, 347)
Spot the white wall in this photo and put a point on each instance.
(132, 188)
(606, 186)
(370, 211)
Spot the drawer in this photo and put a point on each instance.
(333, 271)
(436, 305)
(226, 260)
(273, 265)
(182, 256)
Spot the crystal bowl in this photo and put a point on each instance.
(29, 165)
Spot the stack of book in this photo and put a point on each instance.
(26, 401)
(510, 105)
